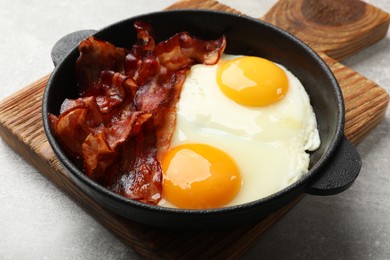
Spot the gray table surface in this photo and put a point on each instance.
(37, 221)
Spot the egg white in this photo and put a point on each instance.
(269, 143)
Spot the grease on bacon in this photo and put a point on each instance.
(125, 116)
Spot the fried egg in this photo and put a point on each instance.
(243, 130)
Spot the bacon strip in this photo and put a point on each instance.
(96, 56)
(125, 117)
(93, 126)
(183, 50)
(141, 173)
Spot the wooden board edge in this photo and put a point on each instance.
(205, 4)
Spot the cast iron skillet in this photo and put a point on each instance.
(333, 167)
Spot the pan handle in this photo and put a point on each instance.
(67, 43)
(340, 173)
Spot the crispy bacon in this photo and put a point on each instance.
(111, 90)
(166, 126)
(183, 50)
(125, 117)
(96, 56)
(99, 149)
(141, 173)
(97, 155)
(145, 37)
(70, 128)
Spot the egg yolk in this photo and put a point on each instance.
(252, 81)
(199, 176)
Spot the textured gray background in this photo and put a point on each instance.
(37, 221)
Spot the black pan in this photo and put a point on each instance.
(333, 167)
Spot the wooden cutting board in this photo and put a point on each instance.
(335, 29)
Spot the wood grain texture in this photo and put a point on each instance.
(336, 28)
(202, 4)
(366, 102)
